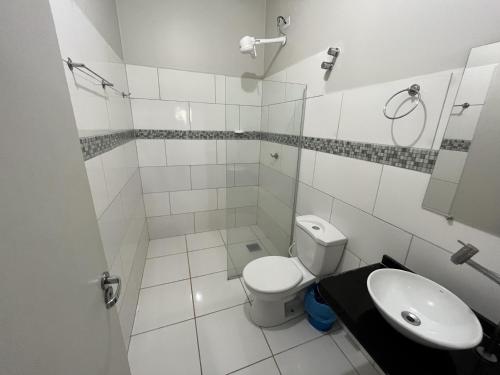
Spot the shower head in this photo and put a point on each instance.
(248, 43)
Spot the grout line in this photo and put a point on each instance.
(270, 350)
(158, 80)
(378, 189)
(345, 355)
(408, 252)
(247, 366)
(162, 284)
(194, 311)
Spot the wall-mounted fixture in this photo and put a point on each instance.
(413, 90)
(248, 43)
(334, 52)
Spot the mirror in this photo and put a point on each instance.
(465, 182)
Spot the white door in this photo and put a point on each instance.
(53, 320)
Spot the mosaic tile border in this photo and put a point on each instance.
(455, 144)
(195, 134)
(99, 144)
(417, 159)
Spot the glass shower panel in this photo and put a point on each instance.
(262, 158)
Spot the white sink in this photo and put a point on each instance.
(424, 311)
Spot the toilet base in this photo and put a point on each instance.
(272, 313)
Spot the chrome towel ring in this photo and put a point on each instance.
(413, 90)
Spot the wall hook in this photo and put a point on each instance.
(334, 52)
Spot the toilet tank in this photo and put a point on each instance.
(319, 244)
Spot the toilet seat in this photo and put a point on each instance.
(272, 274)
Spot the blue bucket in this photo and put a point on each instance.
(320, 315)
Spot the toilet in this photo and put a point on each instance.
(278, 284)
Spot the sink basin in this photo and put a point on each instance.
(423, 310)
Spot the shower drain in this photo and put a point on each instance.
(411, 318)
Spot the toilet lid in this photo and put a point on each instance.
(272, 274)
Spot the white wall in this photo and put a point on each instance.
(194, 35)
(196, 185)
(382, 40)
(378, 207)
(113, 176)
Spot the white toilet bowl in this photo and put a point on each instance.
(278, 284)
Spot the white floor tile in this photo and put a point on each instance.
(163, 305)
(204, 240)
(352, 350)
(215, 292)
(203, 262)
(170, 350)
(241, 256)
(166, 246)
(318, 357)
(290, 334)
(165, 270)
(249, 295)
(240, 234)
(229, 341)
(266, 367)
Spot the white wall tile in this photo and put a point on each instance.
(282, 118)
(322, 115)
(266, 149)
(273, 92)
(399, 202)
(97, 182)
(462, 123)
(278, 184)
(475, 84)
(116, 170)
(157, 204)
(160, 114)
(246, 216)
(213, 220)
(221, 152)
(250, 118)
(439, 195)
(160, 179)
(362, 119)
(245, 91)
(264, 119)
(478, 291)
(246, 174)
(151, 152)
(368, 237)
(220, 89)
(351, 180)
(191, 152)
(449, 165)
(186, 86)
(143, 82)
(205, 116)
(313, 202)
(348, 262)
(243, 151)
(279, 212)
(120, 112)
(232, 117)
(307, 162)
(237, 197)
(208, 176)
(193, 200)
(289, 159)
(168, 226)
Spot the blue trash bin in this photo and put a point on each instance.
(320, 315)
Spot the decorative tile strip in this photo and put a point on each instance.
(284, 139)
(455, 145)
(195, 134)
(99, 144)
(417, 159)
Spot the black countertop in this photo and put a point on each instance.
(348, 295)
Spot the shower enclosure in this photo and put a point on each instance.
(262, 168)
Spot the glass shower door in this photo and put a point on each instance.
(262, 171)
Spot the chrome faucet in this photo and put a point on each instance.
(462, 256)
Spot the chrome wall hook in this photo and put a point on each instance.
(334, 52)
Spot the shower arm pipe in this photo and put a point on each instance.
(280, 39)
